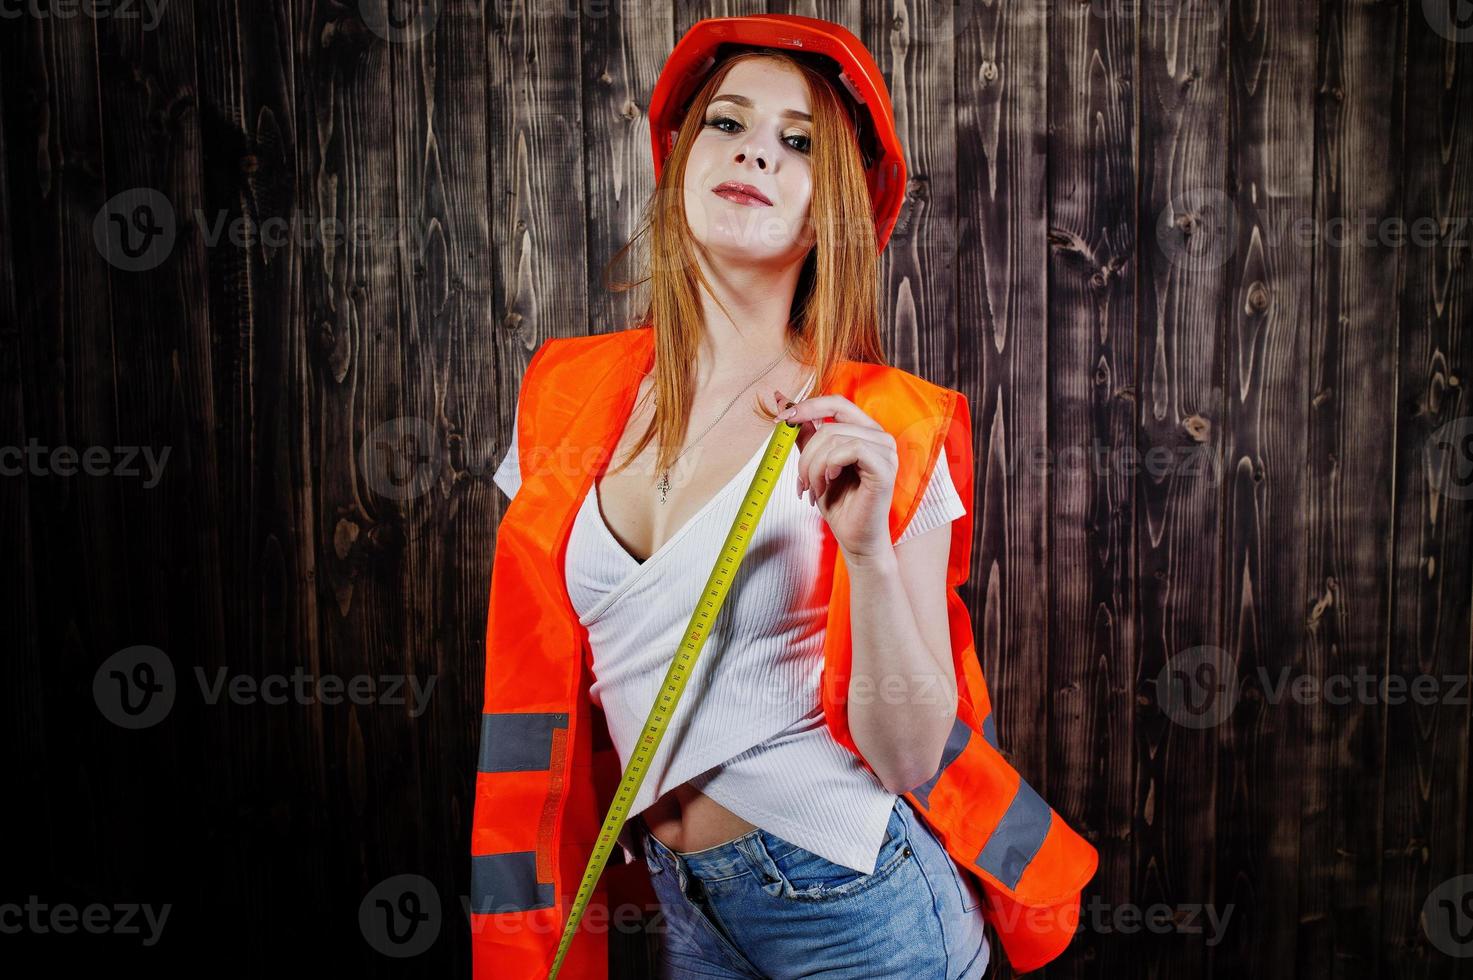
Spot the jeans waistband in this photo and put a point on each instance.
(727, 859)
(723, 860)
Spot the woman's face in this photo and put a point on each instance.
(755, 132)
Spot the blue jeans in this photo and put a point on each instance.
(761, 907)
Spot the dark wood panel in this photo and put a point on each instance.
(1352, 359)
(273, 797)
(1092, 386)
(1261, 744)
(1103, 245)
(621, 59)
(1001, 66)
(161, 360)
(1426, 831)
(919, 49)
(79, 565)
(1184, 300)
(23, 700)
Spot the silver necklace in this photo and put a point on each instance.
(664, 485)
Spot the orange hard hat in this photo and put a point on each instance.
(849, 64)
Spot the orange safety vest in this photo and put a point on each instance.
(548, 771)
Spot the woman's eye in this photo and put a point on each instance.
(805, 143)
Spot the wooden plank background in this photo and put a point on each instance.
(1202, 268)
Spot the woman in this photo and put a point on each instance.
(779, 839)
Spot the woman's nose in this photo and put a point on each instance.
(759, 158)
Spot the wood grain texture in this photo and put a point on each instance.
(1092, 386)
(1002, 56)
(1222, 441)
(1271, 75)
(1352, 373)
(1426, 830)
(1183, 293)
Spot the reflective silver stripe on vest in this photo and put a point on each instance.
(515, 741)
(1018, 836)
(507, 883)
(956, 741)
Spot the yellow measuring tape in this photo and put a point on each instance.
(717, 586)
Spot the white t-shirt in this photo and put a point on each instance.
(749, 730)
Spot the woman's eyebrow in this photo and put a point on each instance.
(742, 100)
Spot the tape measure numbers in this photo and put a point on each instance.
(783, 437)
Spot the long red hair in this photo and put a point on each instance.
(835, 310)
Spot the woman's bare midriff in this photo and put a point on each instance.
(684, 819)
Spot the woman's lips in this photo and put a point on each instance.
(739, 196)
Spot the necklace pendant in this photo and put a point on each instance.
(664, 485)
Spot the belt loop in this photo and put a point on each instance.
(764, 869)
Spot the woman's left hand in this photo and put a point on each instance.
(849, 467)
